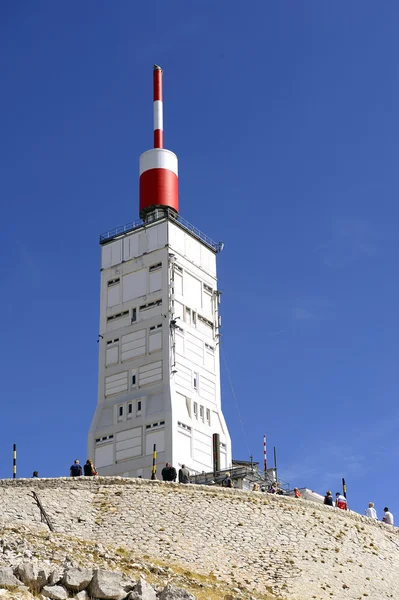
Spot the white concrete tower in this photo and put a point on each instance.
(159, 372)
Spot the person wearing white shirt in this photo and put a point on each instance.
(388, 516)
(370, 511)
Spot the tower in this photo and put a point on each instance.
(159, 372)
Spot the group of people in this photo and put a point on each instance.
(169, 474)
(341, 502)
(88, 469)
(372, 514)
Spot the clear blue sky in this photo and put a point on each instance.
(285, 119)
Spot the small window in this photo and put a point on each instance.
(121, 411)
(195, 409)
(178, 268)
(134, 315)
(118, 316)
(138, 406)
(114, 341)
(207, 289)
(155, 267)
(134, 378)
(112, 282)
(209, 348)
(151, 305)
(130, 408)
(194, 318)
(202, 413)
(208, 416)
(195, 381)
(187, 315)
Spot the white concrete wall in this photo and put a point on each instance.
(157, 384)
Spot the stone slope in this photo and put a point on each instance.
(255, 543)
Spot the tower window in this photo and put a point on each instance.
(134, 315)
(207, 289)
(138, 406)
(195, 409)
(155, 267)
(195, 381)
(134, 378)
(202, 413)
(130, 408)
(112, 282)
(208, 416)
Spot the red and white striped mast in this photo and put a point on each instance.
(158, 166)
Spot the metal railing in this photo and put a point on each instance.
(107, 236)
(252, 475)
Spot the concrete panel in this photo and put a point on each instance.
(112, 356)
(155, 341)
(134, 285)
(104, 456)
(155, 281)
(154, 437)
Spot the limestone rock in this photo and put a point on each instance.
(172, 592)
(77, 578)
(8, 579)
(55, 576)
(142, 591)
(83, 595)
(106, 585)
(31, 575)
(55, 592)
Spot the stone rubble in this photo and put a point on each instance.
(99, 584)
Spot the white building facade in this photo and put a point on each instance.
(159, 371)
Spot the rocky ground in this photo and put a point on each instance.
(213, 542)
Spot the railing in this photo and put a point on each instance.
(157, 216)
(252, 475)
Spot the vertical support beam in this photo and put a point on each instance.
(216, 452)
(14, 462)
(275, 462)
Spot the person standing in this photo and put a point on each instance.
(297, 493)
(388, 516)
(168, 473)
(370, 511)
(76, 469)
(184, 475)
(89, 469)
(328, 499)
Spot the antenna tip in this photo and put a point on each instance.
(157, 68)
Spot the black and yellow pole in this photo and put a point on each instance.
(344, 487)
(14, 462)
(154, 460)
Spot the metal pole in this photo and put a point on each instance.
(275, 462)
(264, 455)
(14, 462)
(154, 466)
(344, 487)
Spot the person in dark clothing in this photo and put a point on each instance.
(169, 473)
(76, 469)
(328, 499)
(184, 475)
(89, 469)
(35, 474)
(227, 481)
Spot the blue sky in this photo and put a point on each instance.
(285, 119)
